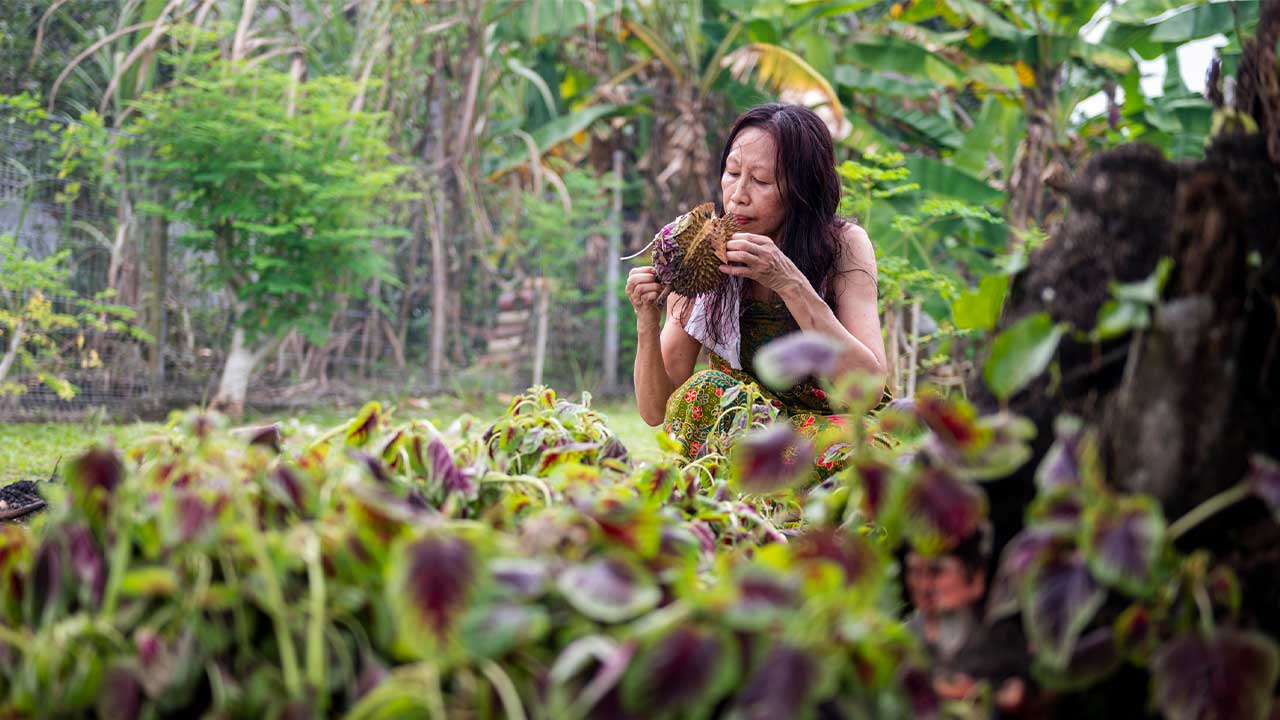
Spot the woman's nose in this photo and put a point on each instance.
(738, 192)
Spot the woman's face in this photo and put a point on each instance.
(749, 186)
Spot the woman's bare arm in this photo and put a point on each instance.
(664, 360)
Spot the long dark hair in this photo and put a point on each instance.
(810, 233)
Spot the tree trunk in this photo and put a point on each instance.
(1026, 182)
(1182, 405)
(236, 373)
(15, 343)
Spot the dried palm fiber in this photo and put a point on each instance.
(688, 252)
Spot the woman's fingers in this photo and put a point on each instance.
(744, 239)
(739, 256)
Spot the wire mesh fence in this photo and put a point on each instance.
(117, 373)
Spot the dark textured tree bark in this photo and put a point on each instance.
(1182, 405)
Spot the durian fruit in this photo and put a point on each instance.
(688, 252)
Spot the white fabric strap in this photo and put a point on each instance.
(730, 341)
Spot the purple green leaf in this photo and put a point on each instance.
(782, 685)
(524, 578)
(268, 436)
(942, 511)
(120, 696)
(446, 474)
(787, 361)
(567, 452)
(772, 459)
(762, 598)
(1060, 511)
(1223, 586)
(366, 422)
(1123, 541)
(93, 478)
(1020, 554)
(1072, 460)
(372, 672)
(613, 449)
(608, 590)
(87, 562)
(1060, 598)
(494, 630)
(1136, 633)
(917, 686)
(1096, 655)
(193, 513)
(47, 579)
(874, 477)
(686, 669)
(1264, 479)
(431, 579)
(978, 448)
(288, 482)
(1227, 674)
(849, 551)
(373, 465)
(953, 422)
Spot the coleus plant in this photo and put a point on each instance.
(394, 570)
(1095, 574)
(531, 568)
(1099, 583)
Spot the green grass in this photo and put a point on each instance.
(30, 451)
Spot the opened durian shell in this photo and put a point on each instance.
(688, 252)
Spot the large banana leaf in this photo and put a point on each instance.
(936, 177)
(558, 131)
(994, 131)
(866, 83)
(936, 129)
(891, 54)
(992, 22)
(1147, 27)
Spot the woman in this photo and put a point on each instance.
(794, 265)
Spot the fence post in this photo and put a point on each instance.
(612, 274)
(159, 288)
(540, 339)
(891, 348)
(913, 357)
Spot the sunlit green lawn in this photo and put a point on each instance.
(30, 451)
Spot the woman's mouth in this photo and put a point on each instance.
(742, 219)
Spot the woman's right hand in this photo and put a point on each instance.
(646, 294)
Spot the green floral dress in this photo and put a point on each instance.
(696, 407)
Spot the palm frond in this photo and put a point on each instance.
(659, 47)
(781, 71)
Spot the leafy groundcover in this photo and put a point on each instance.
(528, 568)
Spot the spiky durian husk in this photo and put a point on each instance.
(687, 254)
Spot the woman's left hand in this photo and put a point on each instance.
(758, 258)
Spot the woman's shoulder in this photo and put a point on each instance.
(855, 245)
